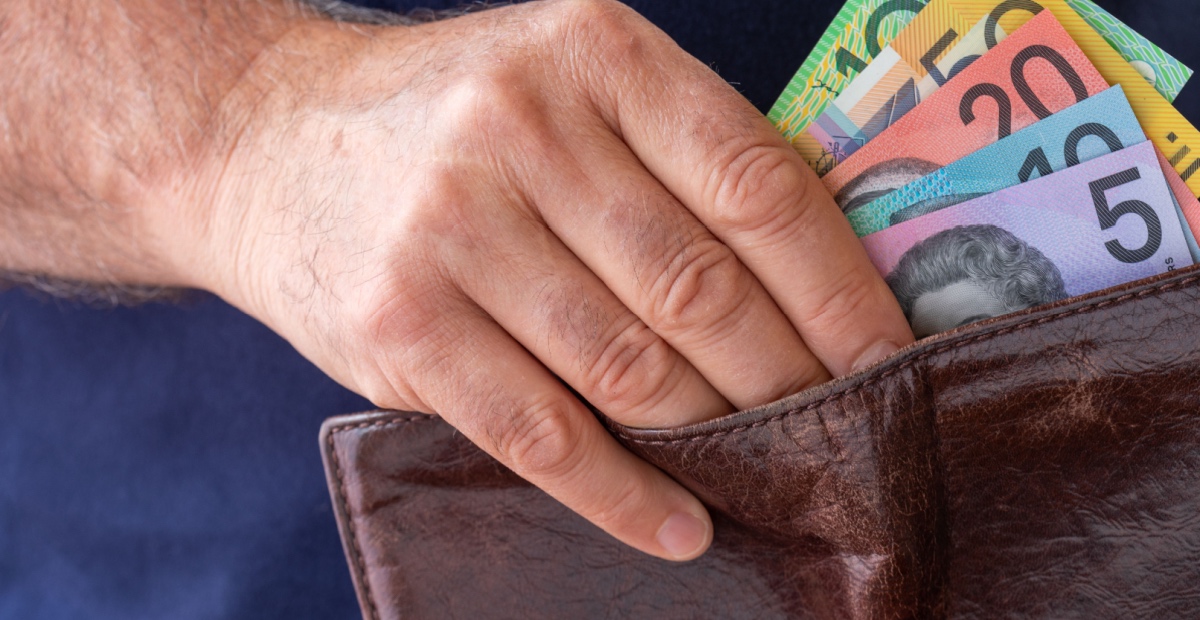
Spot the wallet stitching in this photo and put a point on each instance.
(914, 361)
(359, 563)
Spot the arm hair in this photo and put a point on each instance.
(98, 101)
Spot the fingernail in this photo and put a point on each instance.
(683, 535)
(876, 353)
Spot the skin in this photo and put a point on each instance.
(958, 304)
(448, 218)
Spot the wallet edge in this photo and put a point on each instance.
(335, 483)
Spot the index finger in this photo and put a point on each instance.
(724, 161)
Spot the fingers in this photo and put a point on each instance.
(561, 312)
(666, 267)
(486, 385)
(723, 160)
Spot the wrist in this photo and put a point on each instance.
(207, 215)
(102, 143)
(248, 197)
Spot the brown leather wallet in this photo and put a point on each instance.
(1044, 464)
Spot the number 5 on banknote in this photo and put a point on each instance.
(1109, 216)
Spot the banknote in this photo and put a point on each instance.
(1096, 225)
(1033, 73)
(1097, 126)
(858, 33)
(929, 51)
(1166, 74)
(1163, 124)
(1189, 205)
(905, 73)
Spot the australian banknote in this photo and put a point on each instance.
(1099, 224)
(1032, 74)
(1163, 124)
(934, 47)
(858, 33)
(1166, 74)
(1094, 127)
(893, 84)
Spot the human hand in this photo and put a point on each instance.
(449, 218)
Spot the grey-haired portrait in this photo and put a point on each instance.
(970, 273)
(882, 179)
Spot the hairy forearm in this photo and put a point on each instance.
(101, 104)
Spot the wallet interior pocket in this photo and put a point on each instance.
(1037, 464)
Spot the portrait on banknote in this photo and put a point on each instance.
(882, 179)
(970, 273)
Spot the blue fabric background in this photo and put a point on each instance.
(162, 462)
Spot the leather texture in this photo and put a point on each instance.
(1041, 465)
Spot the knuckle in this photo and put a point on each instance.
(399, 327)
(540, 440)
(491, 101)
(405, 317)
(759, 189)
(633, 371)
(593, 14)
(402, 311)
(702, 287)
(604, 29)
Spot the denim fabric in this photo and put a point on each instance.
(161, 462)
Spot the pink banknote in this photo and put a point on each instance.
(1102, 223)
(1037, 71)
(1189, 206)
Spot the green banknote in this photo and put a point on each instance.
(1164, 73)
(858, 33)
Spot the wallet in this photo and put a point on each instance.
(1039, 465)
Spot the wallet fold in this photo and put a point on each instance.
(1043, 464)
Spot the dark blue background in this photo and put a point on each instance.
(161, 462)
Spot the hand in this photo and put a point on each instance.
(449, 218)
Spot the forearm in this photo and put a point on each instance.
(103, 106)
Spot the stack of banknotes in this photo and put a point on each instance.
(996, 155)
